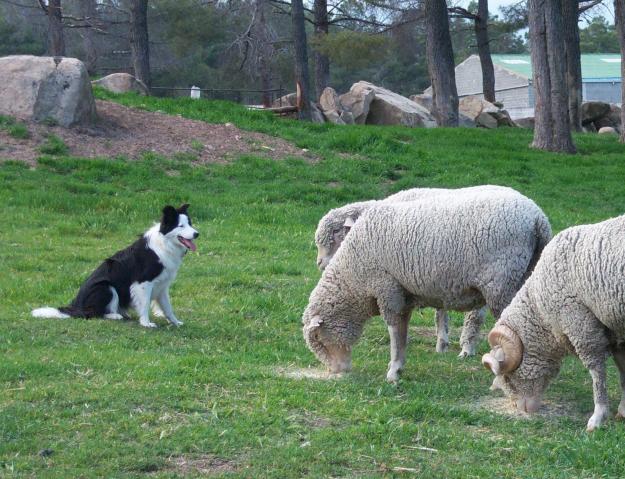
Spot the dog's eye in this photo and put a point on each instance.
(180, 226)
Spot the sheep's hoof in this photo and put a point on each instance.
(392, 377)
(442, 347)
(594, 422)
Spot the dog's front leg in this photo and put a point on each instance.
(163, 301)
(141, 294)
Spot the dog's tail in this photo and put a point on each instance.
(48, 312)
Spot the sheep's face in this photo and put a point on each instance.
(525, 394)
(328, 238)
(330, 336)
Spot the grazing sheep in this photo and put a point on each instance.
(335, 225)
(451, 251)
(574, 302)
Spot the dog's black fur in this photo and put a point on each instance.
(138, 263)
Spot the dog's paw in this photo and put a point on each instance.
(113, 316)
(148, 324)
(176, 322)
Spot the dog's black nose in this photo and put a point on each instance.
(195, 235)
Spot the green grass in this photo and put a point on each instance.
(112, 399)
(15, 129)
(54, 146)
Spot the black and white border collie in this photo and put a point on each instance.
(137, 276)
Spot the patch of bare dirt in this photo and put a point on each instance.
(129, 132)
(205, 465)
(505, 407)
(306, 373)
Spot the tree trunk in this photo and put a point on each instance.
(301, 58)
(552, 129)
(322, 62)
(56, 39)
(88, 11)
(139, 42)
(619, 15)
(264, 53)
(570, 17)
(440, 56)
(483, 49)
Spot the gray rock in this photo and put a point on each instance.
(358, 100)
(121, 83)
(329, 100)
(389, 108)
(347, 117)
(333, 116)
(426, 101)
(315, 113)
(486, 120)
(613, 118)
(607, 130)
(527, 122)
(484, 113)
(593, 110)
(41, 88)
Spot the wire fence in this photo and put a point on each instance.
(243, 96)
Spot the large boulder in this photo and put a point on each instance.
(329, 100)
(612, 118)
(121, 83)
(527, 122)
(484, 113)
(426, 101)
(607, 130)
(42, 88)
(316, 115)
(358, 100)
(332, 109)
(594, 110)
(389, 108)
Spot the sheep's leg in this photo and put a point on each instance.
(619, 359)
(442, 331)
(587, 335)
(470, 336)
(398, 331)
(600, 395)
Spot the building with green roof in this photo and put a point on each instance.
(601, 80)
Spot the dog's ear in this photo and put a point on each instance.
(169, 220)
(183, 209)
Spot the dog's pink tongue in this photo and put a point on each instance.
(189, 244)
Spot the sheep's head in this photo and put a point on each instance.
(331, 232)
(336, 356)
(503, 361)
(331, 327)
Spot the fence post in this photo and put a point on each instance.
(195, 92)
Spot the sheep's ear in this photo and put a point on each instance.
(348, 224)
(490, 361)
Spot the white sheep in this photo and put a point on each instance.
(451, 251)
(574, 302)
(336, 224)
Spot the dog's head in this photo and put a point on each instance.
(176, 227)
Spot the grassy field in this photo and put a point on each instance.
(111, 399)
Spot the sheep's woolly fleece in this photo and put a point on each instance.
(573, 302)
(450, 251)
(334, 225)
